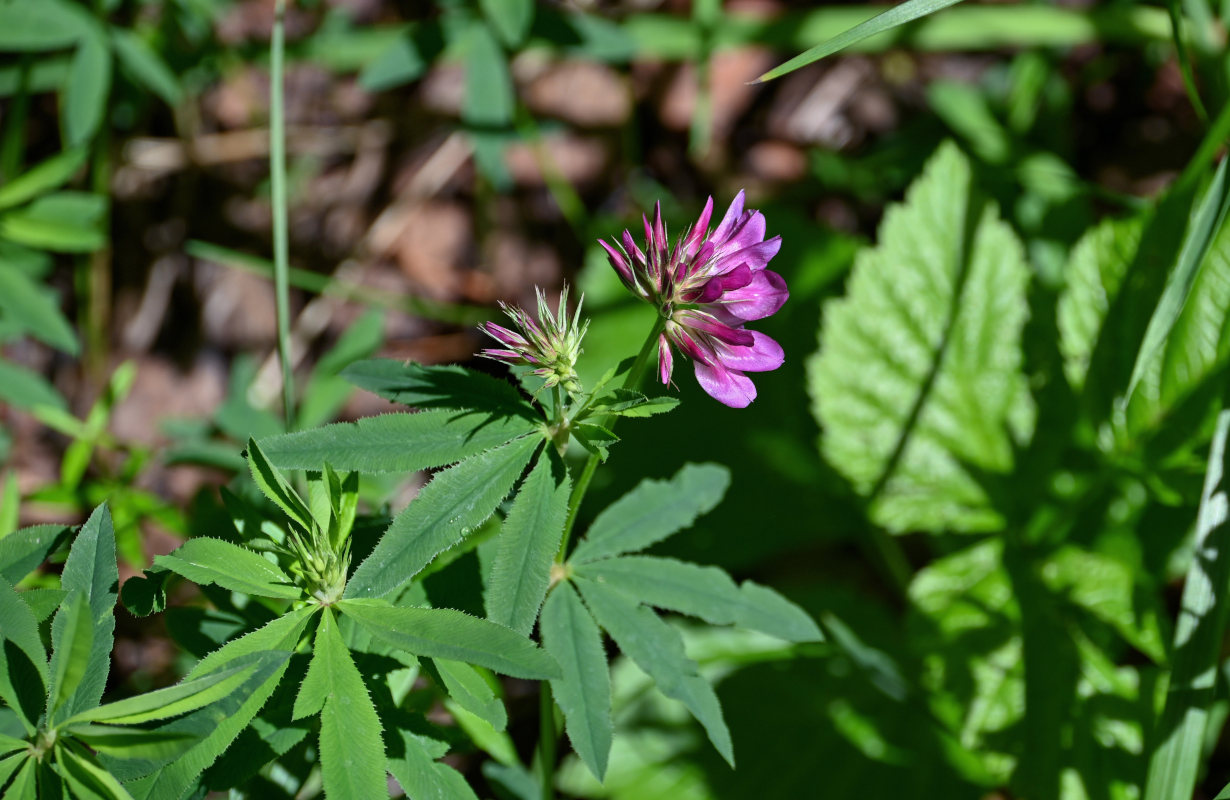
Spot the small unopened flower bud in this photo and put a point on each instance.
(551, 343)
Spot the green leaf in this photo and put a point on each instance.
(205, 561)
(50, 234)
(92, 570)
(24, 388)
(36, 25)
(398, 65)
(583, 692)
(24, 785)
(86, 779)
(658, 650)
(445, 633)
(653, 511)
(326, 392)
(11, 763)
(72, 640)
(145, 65)
(1094, 274)
(22, 551)
(153, 747)
(23, 667)
(24, 302)
(470, 690)
(1198, 634)
(43, 602)
(422, 386)
(525, 549)
(704, 592)
(456, 500)
(395, 442)
(918, 384)
(145, 594)
(894, 17)
(628, 403)
(88, 88)
(43, 177)
(9, 744)
(594, 438)
(351, 751)
(421, 776)
(489, 96)
(275, 487)
(1206, 221)
(185, 696)
(511, 19)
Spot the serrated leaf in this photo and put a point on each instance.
(204, 560)
(9, 764)
(92, 570)
(526, 547)
(421, 776)
(42, 177)
(43, 602)
(1203, 613)
(351, 751)
(146, 65)
(24, 302)
(657, 649)
(653, 511)
(72, 641)
(155, 747)
(456, 500)
(704, 592)
(470, 690)
(85, 778)
(583, 692)
(594, 438)
(22, 551)
(918, 385)
(275, 487)
(24, 785)
(23, 667)
(628, 403)
(445, 633)
(423, 386)
(89, 86)
(395, 442)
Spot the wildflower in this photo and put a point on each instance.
(706, 289)
(551, 343)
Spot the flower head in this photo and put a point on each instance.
(551, 343)
(707, 288)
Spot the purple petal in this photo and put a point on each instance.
(764, 355)
(503, 335)
(728, 387)
(697, 234)
(690, 347)
(720, 285)
(736, 337)
(756, 256)
(760, 298)
(659, 228)
(619, 262)
(502, 355)
(730, 220)
(749, 230)
(666, 361)
(630, 247)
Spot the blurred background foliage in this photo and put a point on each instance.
(446, 155)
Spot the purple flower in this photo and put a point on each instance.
(706, 289)
(551, 343)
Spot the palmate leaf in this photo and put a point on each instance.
(456, 500)
(583, 692)
(918, 385)
(204, 560)
(653, 511)
(1198, 633)
(445, 633)
(657, 649)
(704, 592)
(395, 442)
(422, 386)
(521, 567)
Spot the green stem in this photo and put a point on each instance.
(546, 740)
(277, 176)
(632, 381)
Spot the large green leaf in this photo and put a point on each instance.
(1203, 614)
(457, 500)
(705, 592)
(470, 690)
(22, 551)
(657, 649)
(72, 641)
(445, 633)
(205, 560)
(423, 386)
(352, 759)
(653, 511)
(394, 442)
(275, 487)
(918, 385)
(421, 776)
(34, 25)
(583, 691)
(23, 666)
(92, 571)
(85, 777)
(525, 549)
(22, 301)
(85, 96)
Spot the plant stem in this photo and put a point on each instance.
(546, 740)
(632, 381)
(277, 177)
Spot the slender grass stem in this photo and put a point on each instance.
(547, 736)
(277, 176)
